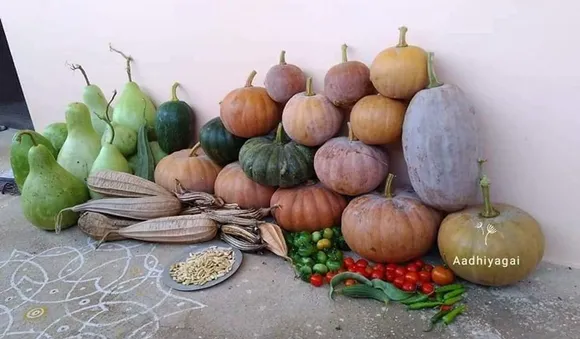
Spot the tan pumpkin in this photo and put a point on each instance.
(377, 120)
(388, 228)
(491, 245)
(350, 167)
(234, 186)
(311, 119)
(249, 111)
(195, 172)
(309, 207)
(399, 72)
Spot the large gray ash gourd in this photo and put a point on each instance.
(441, 145)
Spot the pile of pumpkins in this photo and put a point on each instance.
(281, 144)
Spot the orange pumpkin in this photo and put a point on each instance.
(377, 120)
(399, 72)
(311, 119)
(249, 111)
(234, 186)
(309, 207)
(195, 172)
(388, 228)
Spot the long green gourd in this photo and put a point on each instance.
(82, 144)
(95, 100)
(109, 158)
(21, 144)
(133, 102)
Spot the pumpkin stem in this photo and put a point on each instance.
(282, 58)
(309, 91)
(402, 37)
(280, 133)
(19, 138)
(344, 47)
(174, 91)
(128, 59)
(389, 186)
(351, 136)
(488, 210)
(433, 81)
(194, 149)
(251, 78)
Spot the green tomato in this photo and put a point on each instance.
(302, 239)
(305, 272)
(306, 261)
(307, 250)
(320, 268)
(333, 266)
(321, 257)
(316, 236)
(327, 233)
(323, 244)
(335, 254)
(342, 245)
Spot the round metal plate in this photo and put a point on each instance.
(169, 282)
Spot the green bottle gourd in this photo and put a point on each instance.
(124, 138)
(95, 100)
(48, 189)
(21, 144)
(133, 102)
(82, 144)
(56, 133)
(109, 158)
(172, 124)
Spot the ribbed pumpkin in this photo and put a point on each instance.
(218, 143)
(284, 80)
(350, 167)
(388, 228)
(441, 145)
(309, 207)
(311, 119)
(273, 161)
(377, 120)
(400, 71)
(491, 245)
(347, 82)
(194, 172)
(234, 186)
(249, 111)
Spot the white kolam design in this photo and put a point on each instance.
(68, 292)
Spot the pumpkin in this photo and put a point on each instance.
(377, 120)
(194, 172)
(311, 119)
(440, 140)
(284, 80)
(388, 228)
(491, 245)
(408, 192)
(399, 72)
(234, 186)
(249, 111)
(218, 143)
(309, 207)
(350, 167)
(347, 82)
(272, 160)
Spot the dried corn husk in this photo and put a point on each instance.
(272, 235)
(120, 184)
(96, 225)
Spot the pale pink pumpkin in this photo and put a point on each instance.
(235, 187)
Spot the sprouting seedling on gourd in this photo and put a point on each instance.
(127, 58)
(106, 118)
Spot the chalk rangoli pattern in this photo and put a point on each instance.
(114, 292)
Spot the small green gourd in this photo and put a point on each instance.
(145, 162)
(158, 153)
(82, 144)
(56, 133)
(124, 138)
(21, 144)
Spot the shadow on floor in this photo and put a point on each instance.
(15, 115)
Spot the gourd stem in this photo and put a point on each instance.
(351, 136)
(128, 59)
(402, 37)
(389, 186)
(174, 91)
(344, 47)
(194, 149)
(280, 133)
(433, 81)
(488, 210)
(80, 68)
(251, 78)
(283, 58)
(309, 91)
(30, 135)
(106, 117)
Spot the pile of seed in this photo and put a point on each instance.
(203, 267)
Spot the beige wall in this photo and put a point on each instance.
(517, 60)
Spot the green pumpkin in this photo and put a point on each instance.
(275, 161)
(218, 144)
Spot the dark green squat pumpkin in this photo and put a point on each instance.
(273, 161)
(218, 143)
(173, 124)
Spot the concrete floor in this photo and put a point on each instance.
(59, 286)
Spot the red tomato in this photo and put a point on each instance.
(369, 270)
(419, 263)
(352, 268)
(347, 262)
(419, 283)
(341, 270)
(409, 286)
(442, 275)
(316, 280)
(391, 267)
(362, 271)
(400, 271)
(379, 267)
(446, 307)
(424, 276)
(427, 288)
(377, 275)
(350, 282)
(399, 281)
(412, 277)
(362, 263)
(390, 276)
(428, 268)
(329, 276)
(412, 267)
